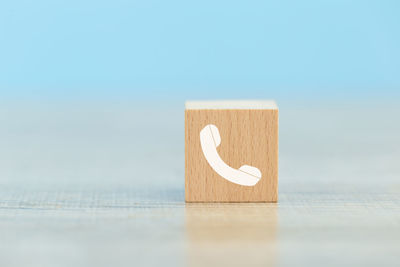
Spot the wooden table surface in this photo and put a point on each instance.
(76, 190)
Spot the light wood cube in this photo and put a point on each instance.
(231, 151)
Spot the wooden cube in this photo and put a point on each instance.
(231, 151)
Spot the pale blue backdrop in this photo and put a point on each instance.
(199, 49)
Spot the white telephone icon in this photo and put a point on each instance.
(210, 140)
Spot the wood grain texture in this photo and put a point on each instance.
(247, 137)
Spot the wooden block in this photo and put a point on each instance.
(231, 151)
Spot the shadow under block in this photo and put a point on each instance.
(248, 133)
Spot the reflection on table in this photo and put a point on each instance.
(234, 234)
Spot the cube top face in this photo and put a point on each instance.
(231, 104)
(231, 151)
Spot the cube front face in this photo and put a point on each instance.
(247, 137)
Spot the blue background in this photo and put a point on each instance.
(199, 49)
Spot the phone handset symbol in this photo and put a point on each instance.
(210, 140)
